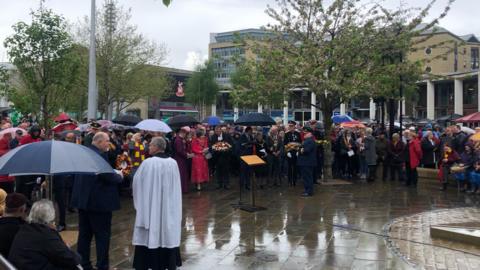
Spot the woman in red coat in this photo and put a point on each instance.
(415, 154)
(199, 162)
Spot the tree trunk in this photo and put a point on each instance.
(327, 112)
(391, 116)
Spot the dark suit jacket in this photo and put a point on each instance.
(96, 193)
(9, 227)
(309, 155)
(37, 246)
(246, 145)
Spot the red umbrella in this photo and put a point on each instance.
(352, 124)
(62, 117)
(471, 118)
(64, 126)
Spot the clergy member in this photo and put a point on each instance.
(157, 197)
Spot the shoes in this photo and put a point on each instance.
(305, 195)
(219, 187)
(226, 187)
(61, 228)
(247, 187)
(72, 210)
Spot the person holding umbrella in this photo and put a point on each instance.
(96, 197)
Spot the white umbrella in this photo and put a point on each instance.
(468, 130)
(154, 125)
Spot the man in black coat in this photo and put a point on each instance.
(10, 222)
(307, 160)
(221, 158)
(292, 136)
(246, 148)
(96, 197)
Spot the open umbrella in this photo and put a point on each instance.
(337, 119)
(77, 133)
(352, 124)
(255, 119)
(53, 157)
(182, 120)
(64, 126)
(12, 131)
(212, 121)
(468, 130)
(62, 117)
(154, 125)
(127, 120)
(105, 123)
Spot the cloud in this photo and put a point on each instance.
(194, 59)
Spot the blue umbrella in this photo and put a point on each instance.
(212, 121)
(341, 118)
(53, 157)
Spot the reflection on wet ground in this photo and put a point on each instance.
(320, 232)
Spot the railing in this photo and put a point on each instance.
(6, 265)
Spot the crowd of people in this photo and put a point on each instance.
(187, 160)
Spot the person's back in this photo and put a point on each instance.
(15, 206)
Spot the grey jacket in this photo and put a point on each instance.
(370, 150)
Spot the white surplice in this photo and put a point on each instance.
(157, 197)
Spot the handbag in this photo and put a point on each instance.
(207, 155)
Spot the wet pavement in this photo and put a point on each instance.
(340, 227)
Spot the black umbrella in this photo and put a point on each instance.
(182, 120)
(255, 119)
(449, 117)
(127, 120)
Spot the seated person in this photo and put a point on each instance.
(10, 222)
(38, 245)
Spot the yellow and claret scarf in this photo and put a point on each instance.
(138, 154)
(447, 153)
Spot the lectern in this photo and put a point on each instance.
(252, 161)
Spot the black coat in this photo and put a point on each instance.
(9, 227)
(246, 144)
(96, 193)
(308, 157)
(37, 247)
(428, 150)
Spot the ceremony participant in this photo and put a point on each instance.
(246, 143)
(370, 155)
(38, 245)
(12, 219)
(291, 137)
(413, 161)
(181, 156)
(307, 162)
(275, 144)
(222, 159)
(157, 198)
(96, 197)
(199, 161)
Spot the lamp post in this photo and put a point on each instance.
(92, 71)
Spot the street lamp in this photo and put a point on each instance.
(92, 71)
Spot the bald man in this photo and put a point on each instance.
(96, 197)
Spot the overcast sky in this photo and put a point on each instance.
(185, 26)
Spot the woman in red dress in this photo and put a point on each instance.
(199, 162)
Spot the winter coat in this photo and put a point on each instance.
(415, 151)
(428, 149)
(370, 150)
(396, 153)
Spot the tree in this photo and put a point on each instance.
(201, 89)
(333, 49)
(127, 62)
(42, 53)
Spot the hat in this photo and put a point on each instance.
(411, 128)
(19, 132)
(95, 125)
(15, 200)
(307, 129)
(291, 122)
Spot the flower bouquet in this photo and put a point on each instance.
(293, 146)
(321, 142)
(124, 164)
(221, 147)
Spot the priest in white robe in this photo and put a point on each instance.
(157, 197)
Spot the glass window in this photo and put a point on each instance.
(474, 58)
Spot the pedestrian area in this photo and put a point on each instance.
(340, 227)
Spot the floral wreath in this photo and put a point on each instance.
(124, 163)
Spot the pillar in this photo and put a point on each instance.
(313, 101)
(478, 91)
(285, 112)
(458, 96)
(343, 109)
(260, 108)
(214, 109)
(372, 109)
(235, 113)
(430, 100)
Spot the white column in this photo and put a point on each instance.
(285, 112)
(214, 109)
(313, 109)
(235, 113)
(343, 109)
(260, 108)
(430, 100)
(372, 109)
(458, 96)
(478, 91)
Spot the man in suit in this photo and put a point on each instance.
(221, 159)
(307, 160)
(246, 148)
(96, 197)
(292, 136)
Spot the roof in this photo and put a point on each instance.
(7, 65)
(436, 29)
(470, 38)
